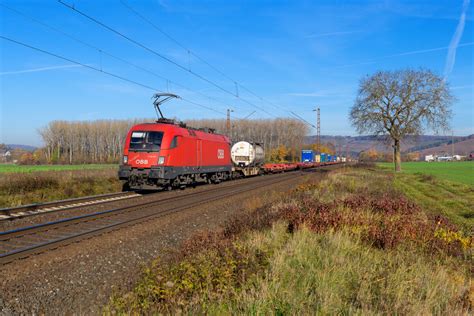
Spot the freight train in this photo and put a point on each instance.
(168, 154)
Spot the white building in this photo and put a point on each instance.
(429, 158)
(445, 158)
(5, 156)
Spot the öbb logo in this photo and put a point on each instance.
(141, 162)
(220, 154)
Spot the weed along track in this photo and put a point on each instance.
(42, 208)
(23, 242)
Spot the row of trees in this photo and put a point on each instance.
(85, 141)
(102, 141)
(285, 135)
(373, 155)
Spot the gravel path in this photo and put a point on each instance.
(79, 278)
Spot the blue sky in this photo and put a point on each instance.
(295, 54)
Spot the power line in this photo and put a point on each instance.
(101, 51)
(77, 63)
(144, 47)
(97, 69)
(302, 119)
(160, 55)
(176, 41)
(171, 38)
(203, 106)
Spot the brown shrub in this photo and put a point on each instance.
(394, 220)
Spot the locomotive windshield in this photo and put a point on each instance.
(146, 141)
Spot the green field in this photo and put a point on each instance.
(10, 168)
(462, 171)
(439, 187)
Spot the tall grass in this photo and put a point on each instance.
(11, 168)
(348, 244)
(335, 273)
(25, 188)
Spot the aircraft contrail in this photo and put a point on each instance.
(453, 45)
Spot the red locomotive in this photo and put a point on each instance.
(167, 154)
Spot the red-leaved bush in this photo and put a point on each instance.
(384, 221)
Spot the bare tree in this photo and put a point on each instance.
(102, 141)
(271, 132)
(401, 103)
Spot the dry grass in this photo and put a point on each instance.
(348, 244)
(25, 188)
(335, 273)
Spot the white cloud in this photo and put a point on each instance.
(309, 94)
(413, 52)
(462, 87)
(314, 35)
(322, 93)
(15, 72)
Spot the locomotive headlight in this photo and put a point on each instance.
(125, 159)
(161, 160)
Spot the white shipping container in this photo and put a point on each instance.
(245, 154)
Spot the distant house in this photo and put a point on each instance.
(430, 158)
(445, 158)
(5, 155)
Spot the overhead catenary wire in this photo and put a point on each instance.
(237, 84)
(98, 70)
(73, 8)
(156, 27)
(184, 68)
(302, 119)
(102, 51)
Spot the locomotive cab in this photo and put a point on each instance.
(149, 141)
(166, 155)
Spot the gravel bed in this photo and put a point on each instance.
(146, 197)
(80, 278)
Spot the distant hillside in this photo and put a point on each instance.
(24, 147)
(357, 144)
(463, 147)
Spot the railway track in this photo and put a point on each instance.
(48, 207)
(23, 242)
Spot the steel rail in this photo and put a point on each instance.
(124, 216)
(16, 212)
